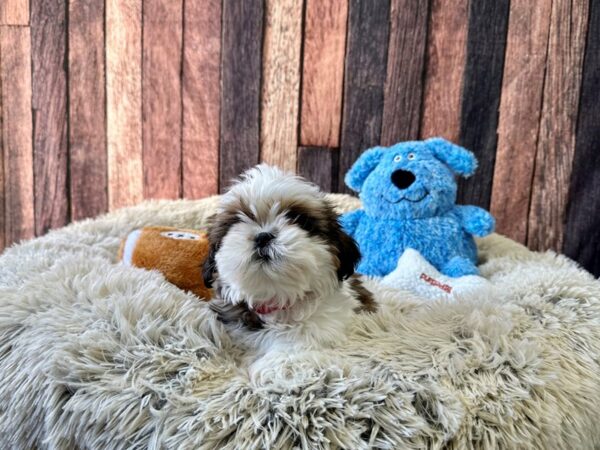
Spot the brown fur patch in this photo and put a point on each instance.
(218, 226)
(323, 222)
(363, 295)
(240, 313)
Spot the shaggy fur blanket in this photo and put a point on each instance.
(95, 355)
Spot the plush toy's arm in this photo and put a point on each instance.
(349, 220)
(475, 220)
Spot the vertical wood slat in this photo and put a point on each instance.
(520, 109)
(15, 75)
(161, 97)
(14, 12)
(323, 72)
(556, 141)
(240, 95)
(87, 110)
(486, 41)
(49, 102)
(281, 83)
(319, 165)
(124, 102)
(582, 230)
(2, 187)
(405, 67)
(201, 93)
(366, 62)
(446, 54)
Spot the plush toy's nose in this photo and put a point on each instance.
(262, 239)
(403, 178)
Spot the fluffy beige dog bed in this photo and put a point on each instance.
(98, 355)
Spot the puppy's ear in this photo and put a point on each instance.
(362, 167)
(209, 267)
(459, 159)
(348, 254)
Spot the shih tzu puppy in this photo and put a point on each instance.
(281, 266)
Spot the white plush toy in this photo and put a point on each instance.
(413, 273)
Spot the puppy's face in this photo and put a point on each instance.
(275, 240)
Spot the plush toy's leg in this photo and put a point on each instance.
(459, 266)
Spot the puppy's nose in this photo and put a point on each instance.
(403, 178)
(262, 239)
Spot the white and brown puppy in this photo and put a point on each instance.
(281, 266)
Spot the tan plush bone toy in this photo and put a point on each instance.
(177, 253)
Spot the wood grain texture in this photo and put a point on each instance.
(446, 54)
(201, 94)
(582, 231)
(14, 12)
(486, 42)
(515, 81)
(124, 102)
(281, 83)
(49, 102)
(556, 142)
(405, 68)
(161, 97)
(17, 128)
(240, 95)
(319, 165)
(87, 110)
(520, 108)
(323, 72)
(2, 191)
(366, 62)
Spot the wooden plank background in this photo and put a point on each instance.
(366, 67)
(405, 68)
(482, 85)
(124, 102)
(88, 165)
(240, 87)
(104, 104)
(520, 109)
(581, 236)
(161, 97)
(49, 104)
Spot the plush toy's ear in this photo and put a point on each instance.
(459, 159)
(362, 167)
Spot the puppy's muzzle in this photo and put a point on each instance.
(402, 179)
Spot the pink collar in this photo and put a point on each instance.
(268, 309)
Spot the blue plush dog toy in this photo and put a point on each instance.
(408, 192)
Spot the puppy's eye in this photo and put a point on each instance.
(397, 158)
(304, 221)
(411, 156)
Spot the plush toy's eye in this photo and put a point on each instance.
(411, 156)
(397, 158)
(180, 235)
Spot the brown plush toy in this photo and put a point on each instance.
(177, 253)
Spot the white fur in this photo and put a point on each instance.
(98, 355)
(263, 184)
(301, 277)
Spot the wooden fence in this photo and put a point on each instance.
(108, 102)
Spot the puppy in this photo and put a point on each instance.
(281, 266)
